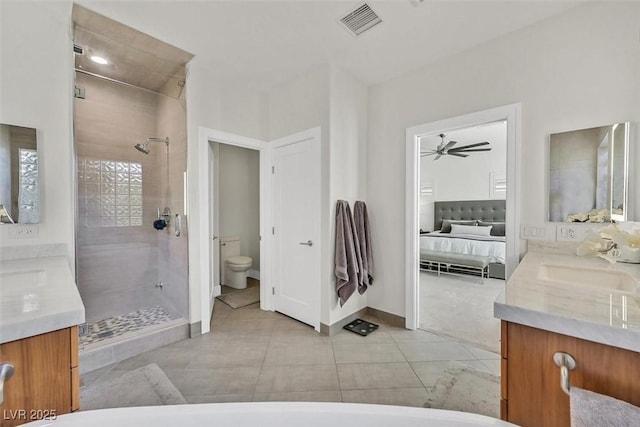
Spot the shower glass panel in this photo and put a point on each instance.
(131, 150)
(130, 274)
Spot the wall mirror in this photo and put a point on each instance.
(588, 174)
(19, 198)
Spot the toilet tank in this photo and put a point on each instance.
(229, 246)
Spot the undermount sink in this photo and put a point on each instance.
(605, 279)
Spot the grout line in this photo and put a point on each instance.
(335, 365)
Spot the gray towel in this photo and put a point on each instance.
(347, 253)
(363, 235)
(589, 409)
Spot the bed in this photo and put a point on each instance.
(462, 234)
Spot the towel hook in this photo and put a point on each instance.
(567, 363)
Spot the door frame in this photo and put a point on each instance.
(510, 113)
(314, 134)
(206, 184)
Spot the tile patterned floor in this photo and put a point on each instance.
(119, 325)
(253, 355)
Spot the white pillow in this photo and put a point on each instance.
(471, 229)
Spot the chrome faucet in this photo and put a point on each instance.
(612, 245)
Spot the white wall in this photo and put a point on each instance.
(239, 198)
(223, 107)
(347, 166)
(36, 65)
(300, 105)
(576, 70)
(332, 99)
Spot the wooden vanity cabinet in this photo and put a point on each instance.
(46, 381)
(530, 386)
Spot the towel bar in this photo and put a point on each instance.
(567, 363)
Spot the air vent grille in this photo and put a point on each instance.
(361, 19)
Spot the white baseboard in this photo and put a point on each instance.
(254, 274)
(217, 290)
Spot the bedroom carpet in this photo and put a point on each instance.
(145, 386)
(462, 388)
(461, 307)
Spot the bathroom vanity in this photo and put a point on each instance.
(585, 307)
(40, 308)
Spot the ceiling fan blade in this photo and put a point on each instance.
(458, 155)
(479, 144)
(437, 157)
(470, 150)
(449, 145)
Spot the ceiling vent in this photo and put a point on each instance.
(361, 19)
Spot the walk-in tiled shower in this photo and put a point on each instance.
(130, 143)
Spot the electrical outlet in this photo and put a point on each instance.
(569, 233)
(24, 231)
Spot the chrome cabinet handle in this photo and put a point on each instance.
(307, 243)
(6, 372)
(566, 363)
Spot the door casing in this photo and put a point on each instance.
(200, 246)
(510, 113)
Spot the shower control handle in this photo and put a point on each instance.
(6, 372)
(307, 243)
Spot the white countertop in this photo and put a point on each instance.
(592, 313)
(37, 295)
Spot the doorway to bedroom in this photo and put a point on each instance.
(464, 211)
(462, 231)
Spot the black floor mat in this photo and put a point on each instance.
(361, 327)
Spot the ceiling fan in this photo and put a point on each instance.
(448, 149)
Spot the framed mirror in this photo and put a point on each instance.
(589, 174)
(19, 197)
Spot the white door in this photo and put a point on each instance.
(296, 226)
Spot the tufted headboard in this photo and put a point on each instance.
(482, 210)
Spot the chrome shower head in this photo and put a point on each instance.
(144, 147)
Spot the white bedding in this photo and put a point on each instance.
(489, 246)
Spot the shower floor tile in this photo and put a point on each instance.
(119, 325)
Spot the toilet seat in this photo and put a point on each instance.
(239, 260)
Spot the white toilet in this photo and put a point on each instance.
(234, 266)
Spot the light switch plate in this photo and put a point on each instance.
(541, 231)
